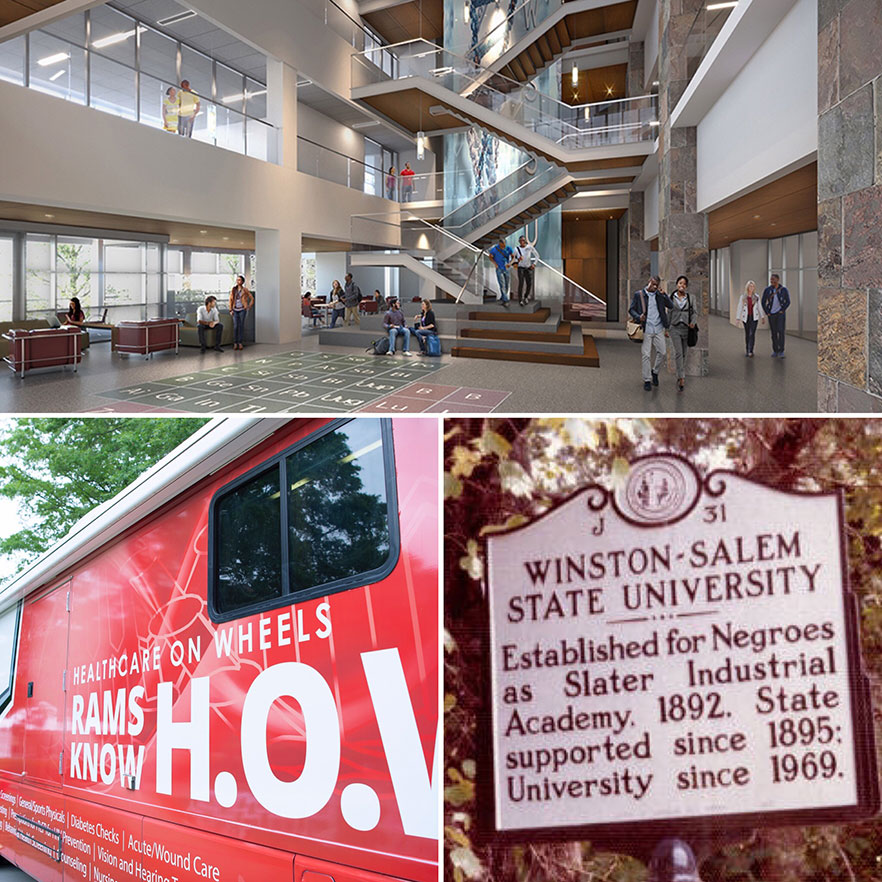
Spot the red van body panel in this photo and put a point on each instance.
(307, 733)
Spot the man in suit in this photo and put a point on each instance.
(650, 307)
(776, 299)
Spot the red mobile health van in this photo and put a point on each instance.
(230, 671)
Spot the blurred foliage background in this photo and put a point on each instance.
(502, 472)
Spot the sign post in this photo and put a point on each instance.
(674, 657)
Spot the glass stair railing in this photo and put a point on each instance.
(619, 121)
(496, 202)
(469, 270)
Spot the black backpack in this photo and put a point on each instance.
(379, 347)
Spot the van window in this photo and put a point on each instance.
(321, 517)
(8, 641)
(338, 516)
(249, 555)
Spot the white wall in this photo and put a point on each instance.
(766, 122)
(650, 209)
(329, 265)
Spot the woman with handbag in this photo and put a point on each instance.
(682, 322)
(750, 313)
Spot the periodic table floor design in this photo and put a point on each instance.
(308, 382)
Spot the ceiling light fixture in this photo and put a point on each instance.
(574, 75)
(115, 38)
(587, 112)
(53, 59)
(203, 232)
(421, 144)
(48, 215)
(56, 75)
(729, 4)
(176, 18)
(609, 90)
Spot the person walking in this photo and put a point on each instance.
(502, 255)
(750, 313)
(396, 326)
(776, 299)
(336, 301)
(188, 109)
(407, 174)
(682, 318)
(526, 257)
(351, 299)
(241, 300)
(650, 308)
(424, 325)
(171, 108)
(391, 180)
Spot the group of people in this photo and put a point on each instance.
(406, 175)
(396, 326)
(208, 319)
(661, 315)
(524, 257)
(180, 107)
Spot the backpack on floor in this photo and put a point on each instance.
(379, 347)
(433, 345)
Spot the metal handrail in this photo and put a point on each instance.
(469, 276)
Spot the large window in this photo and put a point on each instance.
(8, 641)
(321, 518)
(7, 263)
(194, 273)
(123, 277)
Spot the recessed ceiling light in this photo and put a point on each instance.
(48, 215)
(53, 59)
(56, 75)
(756, 217)
(177, 17)
(115, 38)
(203, 231)
(729, 4)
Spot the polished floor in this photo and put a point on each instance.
(735, 384)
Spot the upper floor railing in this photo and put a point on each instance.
(618, 121)
(84, 75)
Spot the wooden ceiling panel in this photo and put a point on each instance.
(607, 19)
(14, 10)
(781, 208)
(408, 21)
(594, 84)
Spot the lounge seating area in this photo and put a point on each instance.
(37, 348)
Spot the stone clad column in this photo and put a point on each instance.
(635, 263)
(683, 238)
(849, 206)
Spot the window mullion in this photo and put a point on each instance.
(283, 501)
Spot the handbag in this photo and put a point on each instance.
(634, 328)
(692, 331)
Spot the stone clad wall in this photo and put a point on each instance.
(683, 237)
(850, 205)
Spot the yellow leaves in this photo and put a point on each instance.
(619, 471)
(452, 486)
(471, 562)
(461, 791)
(457, 836)
(466, 862)
(492, 442)
(464, 461)
(511, 522)
(449, 702)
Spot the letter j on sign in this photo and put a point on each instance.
(683, 648)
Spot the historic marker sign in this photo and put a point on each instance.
(676, 650)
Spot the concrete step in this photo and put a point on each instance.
(362, 338)
(512, 314)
